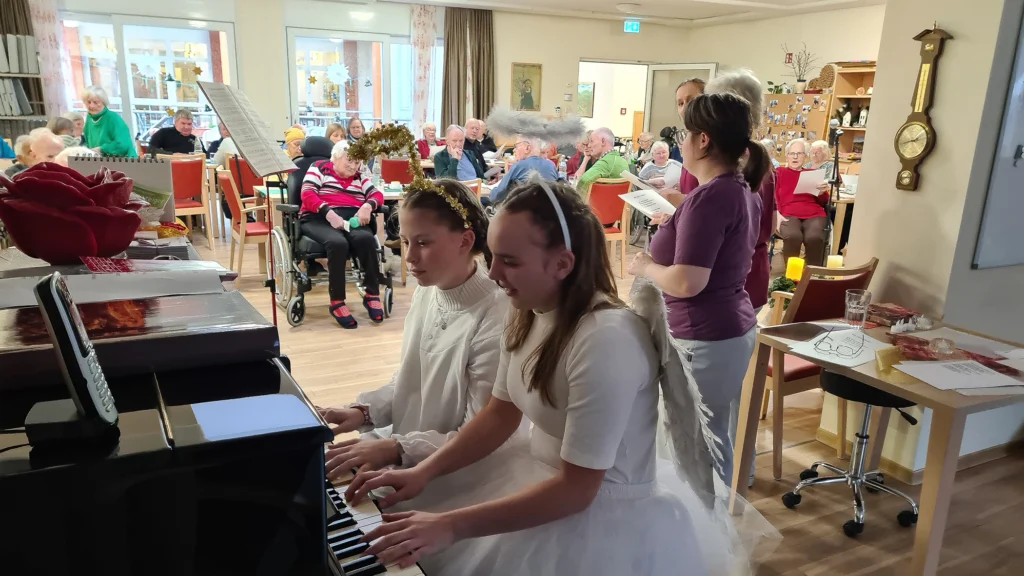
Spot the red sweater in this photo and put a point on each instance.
(424, 148)
(323, 186)
(687, 182)
(800, 206)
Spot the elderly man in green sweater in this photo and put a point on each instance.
(609, 164)
(105, 131)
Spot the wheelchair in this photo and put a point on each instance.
(294, 253)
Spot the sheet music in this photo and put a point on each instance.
(673, 174)
(250, 133)
(956, 375)
(635, 181)
(648, 202)
(809, 182)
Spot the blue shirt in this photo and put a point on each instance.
(465, 170)
(5, 150)
(520, 172)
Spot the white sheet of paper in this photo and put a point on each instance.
(1017, 363)
(436, 149)
(86, 288)
(1004, 391)
(673, 174)
(1016, 353)
(648, 202)
(850, 183)
(250, 133)
(956, 375)
(848, 348)
(968, 342)
(809, 182)
(635, 181)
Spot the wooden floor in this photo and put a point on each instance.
(985, 534)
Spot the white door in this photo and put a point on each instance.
(662, 81)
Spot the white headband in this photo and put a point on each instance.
(561, 215)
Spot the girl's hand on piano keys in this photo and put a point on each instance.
(362, 454)
(342, 419)
(407, 484)
(405, 536)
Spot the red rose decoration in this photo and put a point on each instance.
(56, 214)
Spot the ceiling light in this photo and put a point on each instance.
(627, 7)
(70, 23)
(336, 40)
(361, 16)
(197, 23)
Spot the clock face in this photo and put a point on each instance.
(911, 140)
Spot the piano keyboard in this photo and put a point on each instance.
(346, 524)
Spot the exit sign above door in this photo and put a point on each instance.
(631, 26)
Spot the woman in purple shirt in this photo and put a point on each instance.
(701, 255)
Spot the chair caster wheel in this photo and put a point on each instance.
(388, 301)
(906, 518)
(790, 500)
(808, 474)
(852, 528)
(296, 311)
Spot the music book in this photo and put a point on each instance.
(5, 68)
(648, 202)
(22, 98)
(151, 176)
(32, 54)
(12, 54)
(249, 132)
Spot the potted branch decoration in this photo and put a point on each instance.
(802, 64)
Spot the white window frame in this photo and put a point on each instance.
(385, 65)
(119, 21)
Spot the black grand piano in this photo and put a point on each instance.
(219, 468)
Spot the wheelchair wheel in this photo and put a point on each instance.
(388, 301)
(296, 310)
(637, 228)
(282, 268)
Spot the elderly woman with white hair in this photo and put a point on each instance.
(105, 131)
(334, 192)
(820, 158)
(429, 140)
(78, 120)
(654, 171)
(802, 217)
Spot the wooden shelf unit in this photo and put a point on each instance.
(851, 76)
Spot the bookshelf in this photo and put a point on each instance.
(851, 77)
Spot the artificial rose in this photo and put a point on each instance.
(56, 214)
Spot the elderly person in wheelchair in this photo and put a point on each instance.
(337, 205)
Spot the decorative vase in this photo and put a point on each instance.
(800, 84)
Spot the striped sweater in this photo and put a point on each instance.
(322, 187)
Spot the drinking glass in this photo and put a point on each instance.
(857, 307)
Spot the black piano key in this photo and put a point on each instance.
(344, 543)
(338, 522)
(355, 532)
(358, 564)
(371, 570)
(349, 552)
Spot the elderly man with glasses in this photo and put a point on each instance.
(801, 217)
(528, 159)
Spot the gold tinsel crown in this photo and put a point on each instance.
(396, 138)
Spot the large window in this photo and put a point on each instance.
(148, 67)
(339, 75)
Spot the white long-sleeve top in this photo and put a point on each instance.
(450, 351)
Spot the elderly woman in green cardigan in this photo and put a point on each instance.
(105, 132)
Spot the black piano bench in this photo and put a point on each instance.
(855, 476)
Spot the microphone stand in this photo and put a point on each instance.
(833, 195)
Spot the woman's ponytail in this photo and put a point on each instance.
(758, 165)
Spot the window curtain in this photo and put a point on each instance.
(481, 55)
(453, 93)
(46, 25)
(424, 37)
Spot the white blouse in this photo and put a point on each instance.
(605, 393)
(450, 351)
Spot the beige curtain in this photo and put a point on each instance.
(453, 93)
(481, 54)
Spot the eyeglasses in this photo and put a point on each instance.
(796, 154)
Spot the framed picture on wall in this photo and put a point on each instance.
(525, 87)
(585, 99)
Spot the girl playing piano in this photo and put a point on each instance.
(584, 369)
(450, 344)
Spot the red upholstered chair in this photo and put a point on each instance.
(191, 194)
(242, 231)
(395, 170)
(244, 177)
(613, 212)
(817, 297)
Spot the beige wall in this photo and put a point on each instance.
(559, 43)
(833, 36)
(262, 60)
(616, 86)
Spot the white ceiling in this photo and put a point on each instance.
(669, 12)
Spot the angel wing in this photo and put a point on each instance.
(695, 448)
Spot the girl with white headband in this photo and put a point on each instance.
(584, 369)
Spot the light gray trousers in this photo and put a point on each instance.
(718, 368)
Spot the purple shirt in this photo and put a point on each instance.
(715, 227)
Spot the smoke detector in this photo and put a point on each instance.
(627, 7)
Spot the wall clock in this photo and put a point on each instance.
(915, 139)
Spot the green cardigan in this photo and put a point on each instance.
(108, 132)
(447, 167)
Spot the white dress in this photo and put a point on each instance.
(604, 417)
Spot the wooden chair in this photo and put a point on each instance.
(475, 186)
(242, 231)
(613, 212)
(244, 177)
(396, 170)
(188, 181)
(816, 298)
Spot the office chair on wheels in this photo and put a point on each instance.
(854, 476)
